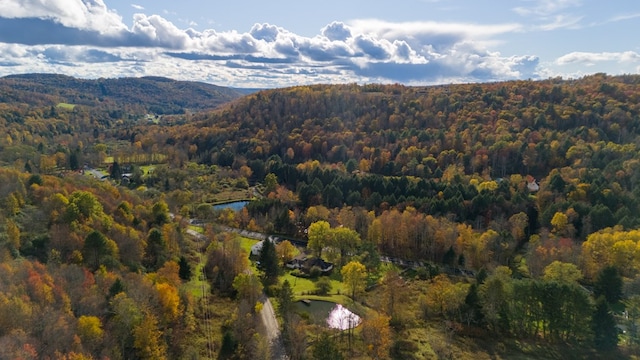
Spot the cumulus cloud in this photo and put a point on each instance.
(336, 31)
(157, 31)
(81, 14)
(85, 38)
(265, 32)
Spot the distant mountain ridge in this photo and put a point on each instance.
(156, 94)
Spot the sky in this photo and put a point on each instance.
(279, 43)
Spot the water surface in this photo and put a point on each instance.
(332, 315)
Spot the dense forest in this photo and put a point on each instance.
(153, 94)
(511, 207)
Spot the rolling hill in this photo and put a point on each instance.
(155, 94)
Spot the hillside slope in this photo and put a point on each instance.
(156, 94)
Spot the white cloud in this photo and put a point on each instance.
(336, 31)
(623, 18)
(551, 14)
(93, 42)
(592, 58)
(159, 31)
(137, 7)
(561, 21)
(424, 30)
(546, 7)
(81, 14)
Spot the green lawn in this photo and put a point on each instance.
(247, 243)
(194, 286)
(198, 229)
(304, 288)
(66, 106)
(146, 168)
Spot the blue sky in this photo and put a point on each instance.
(280, 43)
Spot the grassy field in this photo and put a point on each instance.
(138, 159)
(146, 169)
(66, 106)
(303, 288)
(229, 195)
(247, 243)
(198, 229)
(197, 282)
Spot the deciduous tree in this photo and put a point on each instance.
(98, 248)
(285, 251)
(147, 339)
(376, 334)
(354, 276)
(319, 236)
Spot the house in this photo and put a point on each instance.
(532, 185)
(305, 265)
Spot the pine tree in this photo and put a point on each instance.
(325, 349)
(603, 324)
(185, 269)
(269, 263)
(609, 285)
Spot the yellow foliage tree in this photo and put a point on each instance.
(611, 247)
(443, 296)
(354, 276)
(559, 222)
(147, 339)
(169, 273)
(376, 334)
(285, 251)
(562, 272)
(169, 301)
(13, 233)
(90, 330)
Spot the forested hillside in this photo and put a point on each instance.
(464, 150)
(489, 220)
(149, 94)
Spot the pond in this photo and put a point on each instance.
(235, 205)
(332, 315)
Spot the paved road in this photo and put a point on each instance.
(272, 330)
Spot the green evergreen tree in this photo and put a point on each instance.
(609, 285)
(184, 272)
(449, 257)
(116, 288)
(472, 309)
(116, 171)
(268, 263)
(603, 324)
(97, 248)
(157, 251)
(285, 301)
(325, 349)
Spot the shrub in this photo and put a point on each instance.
(323, 286)
(314, 272)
